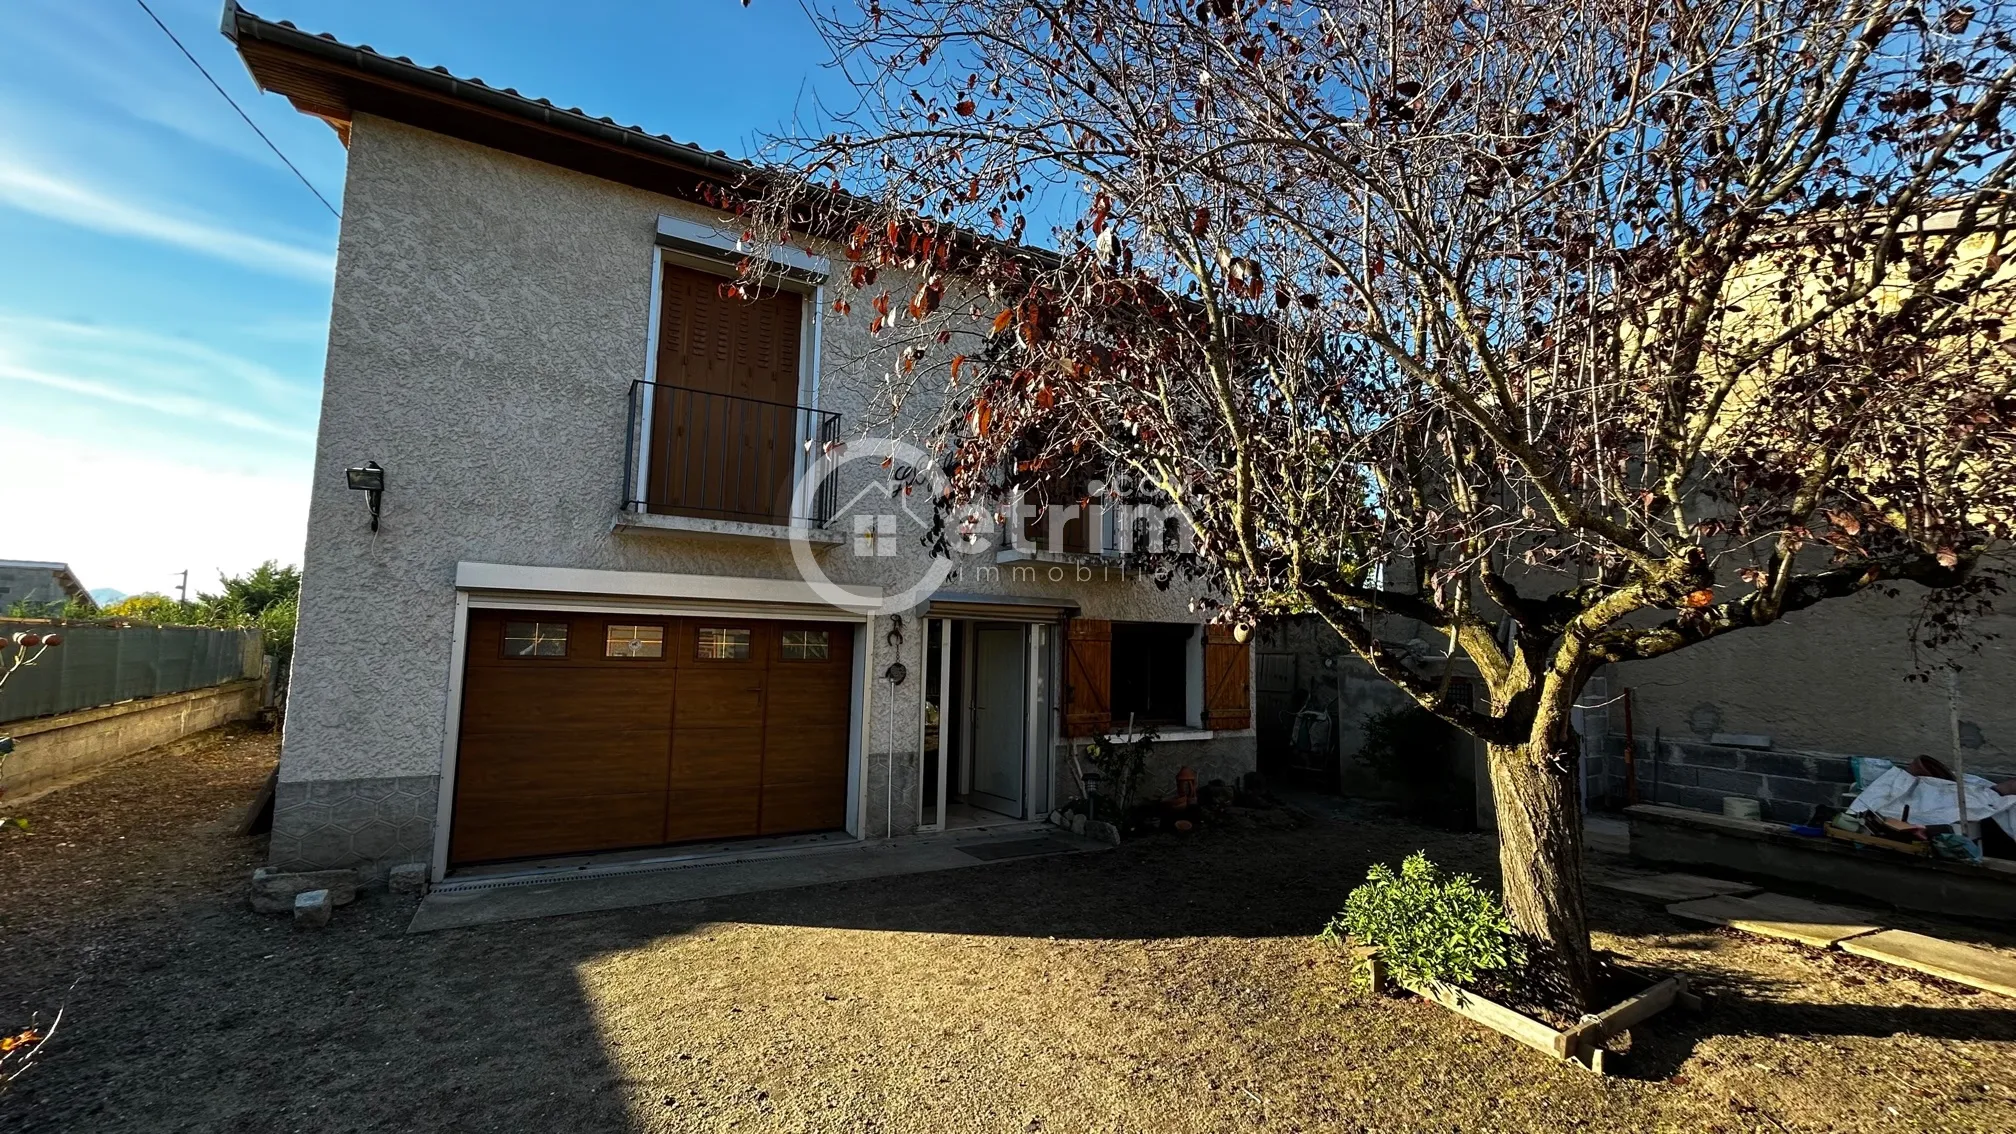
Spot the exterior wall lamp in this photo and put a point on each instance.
(368, 477)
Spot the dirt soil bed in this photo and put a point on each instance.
(1165, 986)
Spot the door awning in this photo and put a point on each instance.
(1000, 608)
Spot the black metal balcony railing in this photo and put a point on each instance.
(723, 457)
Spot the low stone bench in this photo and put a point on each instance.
(1678, 836)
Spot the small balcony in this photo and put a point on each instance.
(714, 463)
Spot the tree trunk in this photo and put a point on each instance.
(1540, 856)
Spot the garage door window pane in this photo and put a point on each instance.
(720, 643)
(805, 645)
(634, 642)
(535, 639)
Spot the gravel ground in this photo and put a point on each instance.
(1165, 986)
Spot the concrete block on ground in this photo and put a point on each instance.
(1776, 915)
(312, 909)
(1675, 887)
(408, 878)
(1970, 965)
(274, 891)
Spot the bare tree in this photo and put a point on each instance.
(1579, 332)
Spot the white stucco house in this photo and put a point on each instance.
(595, 602)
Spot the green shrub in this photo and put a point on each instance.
(1429, 926)
(276, 624)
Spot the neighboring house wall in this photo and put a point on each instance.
(42, 583)
(1330, 678)
(1820, 686)
(1774, 713)
(490, 313)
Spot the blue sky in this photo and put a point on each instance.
(164, 280)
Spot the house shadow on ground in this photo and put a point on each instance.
(195, 1013)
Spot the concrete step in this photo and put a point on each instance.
(1776, 915)
(1970, 965)
(1673, 887)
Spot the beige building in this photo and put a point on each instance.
(601, 557)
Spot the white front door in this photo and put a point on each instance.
(1000, 717)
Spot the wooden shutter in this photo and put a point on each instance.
(1228, 686)
(722, 345)
(724, 425)
(1088, 676)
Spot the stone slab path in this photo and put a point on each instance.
(486, 900)
(1970, 965)
(1775, 915)
(1673, 887)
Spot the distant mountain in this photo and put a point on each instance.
(106, 596)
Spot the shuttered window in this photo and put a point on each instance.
(725, 426)
(1111, 669)
(1228, 684)
(1088, 677)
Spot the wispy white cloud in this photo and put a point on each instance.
(171, 376)
(123, 350)
(174, 404)
(73, 202)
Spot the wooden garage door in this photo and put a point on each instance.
(589, 732)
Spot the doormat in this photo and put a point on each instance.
(1018, 848)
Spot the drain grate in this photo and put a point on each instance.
(1019, 848)
(515, 881)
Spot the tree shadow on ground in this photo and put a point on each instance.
(199, 1014)
(192, 1012)
(1661, 1048)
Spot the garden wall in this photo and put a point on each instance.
(54, 752)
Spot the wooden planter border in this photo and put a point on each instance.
(1581, 1044)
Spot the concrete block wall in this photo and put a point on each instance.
(55, 752)
(1787, 784)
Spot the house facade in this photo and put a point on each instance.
(602, 559)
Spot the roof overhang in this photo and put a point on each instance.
(1000, 608)
(335, 82)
